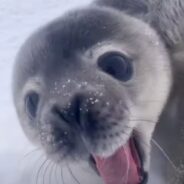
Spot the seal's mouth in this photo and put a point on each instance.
(123, 167)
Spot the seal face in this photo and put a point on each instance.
(85, 83)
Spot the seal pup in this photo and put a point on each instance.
(88, 82)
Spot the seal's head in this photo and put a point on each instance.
(85, 83)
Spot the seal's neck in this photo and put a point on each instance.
(169, 132)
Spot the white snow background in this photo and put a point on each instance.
(18, 19)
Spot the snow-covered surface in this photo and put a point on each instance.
(17, 20)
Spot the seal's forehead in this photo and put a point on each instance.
(49, 49)
(79, 30)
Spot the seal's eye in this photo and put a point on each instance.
(117, 65)
(31, 103)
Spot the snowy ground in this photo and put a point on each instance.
(17, 20)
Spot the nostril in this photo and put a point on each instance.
(70, 114)
(60, 113)
(75, 109)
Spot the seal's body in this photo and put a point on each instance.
(90, 81)
(166, 17)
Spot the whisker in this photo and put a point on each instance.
(56, 174)
(45, 172)
(39, 171)
(30, 152)
(76, 180)
(50, 174)
(167, 157)
(62, 178)
(146, 101)
(23, 159)
(36, 164)
(86, 170)
(142, 120)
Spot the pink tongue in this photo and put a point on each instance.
(120, 168)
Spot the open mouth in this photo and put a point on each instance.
(123, 167)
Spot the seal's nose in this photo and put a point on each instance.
(70, 113)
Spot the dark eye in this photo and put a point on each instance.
(117, 65)
(31, 103)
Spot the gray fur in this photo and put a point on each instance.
(165, 16)
(59, 62)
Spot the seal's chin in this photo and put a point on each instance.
(124, 165)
